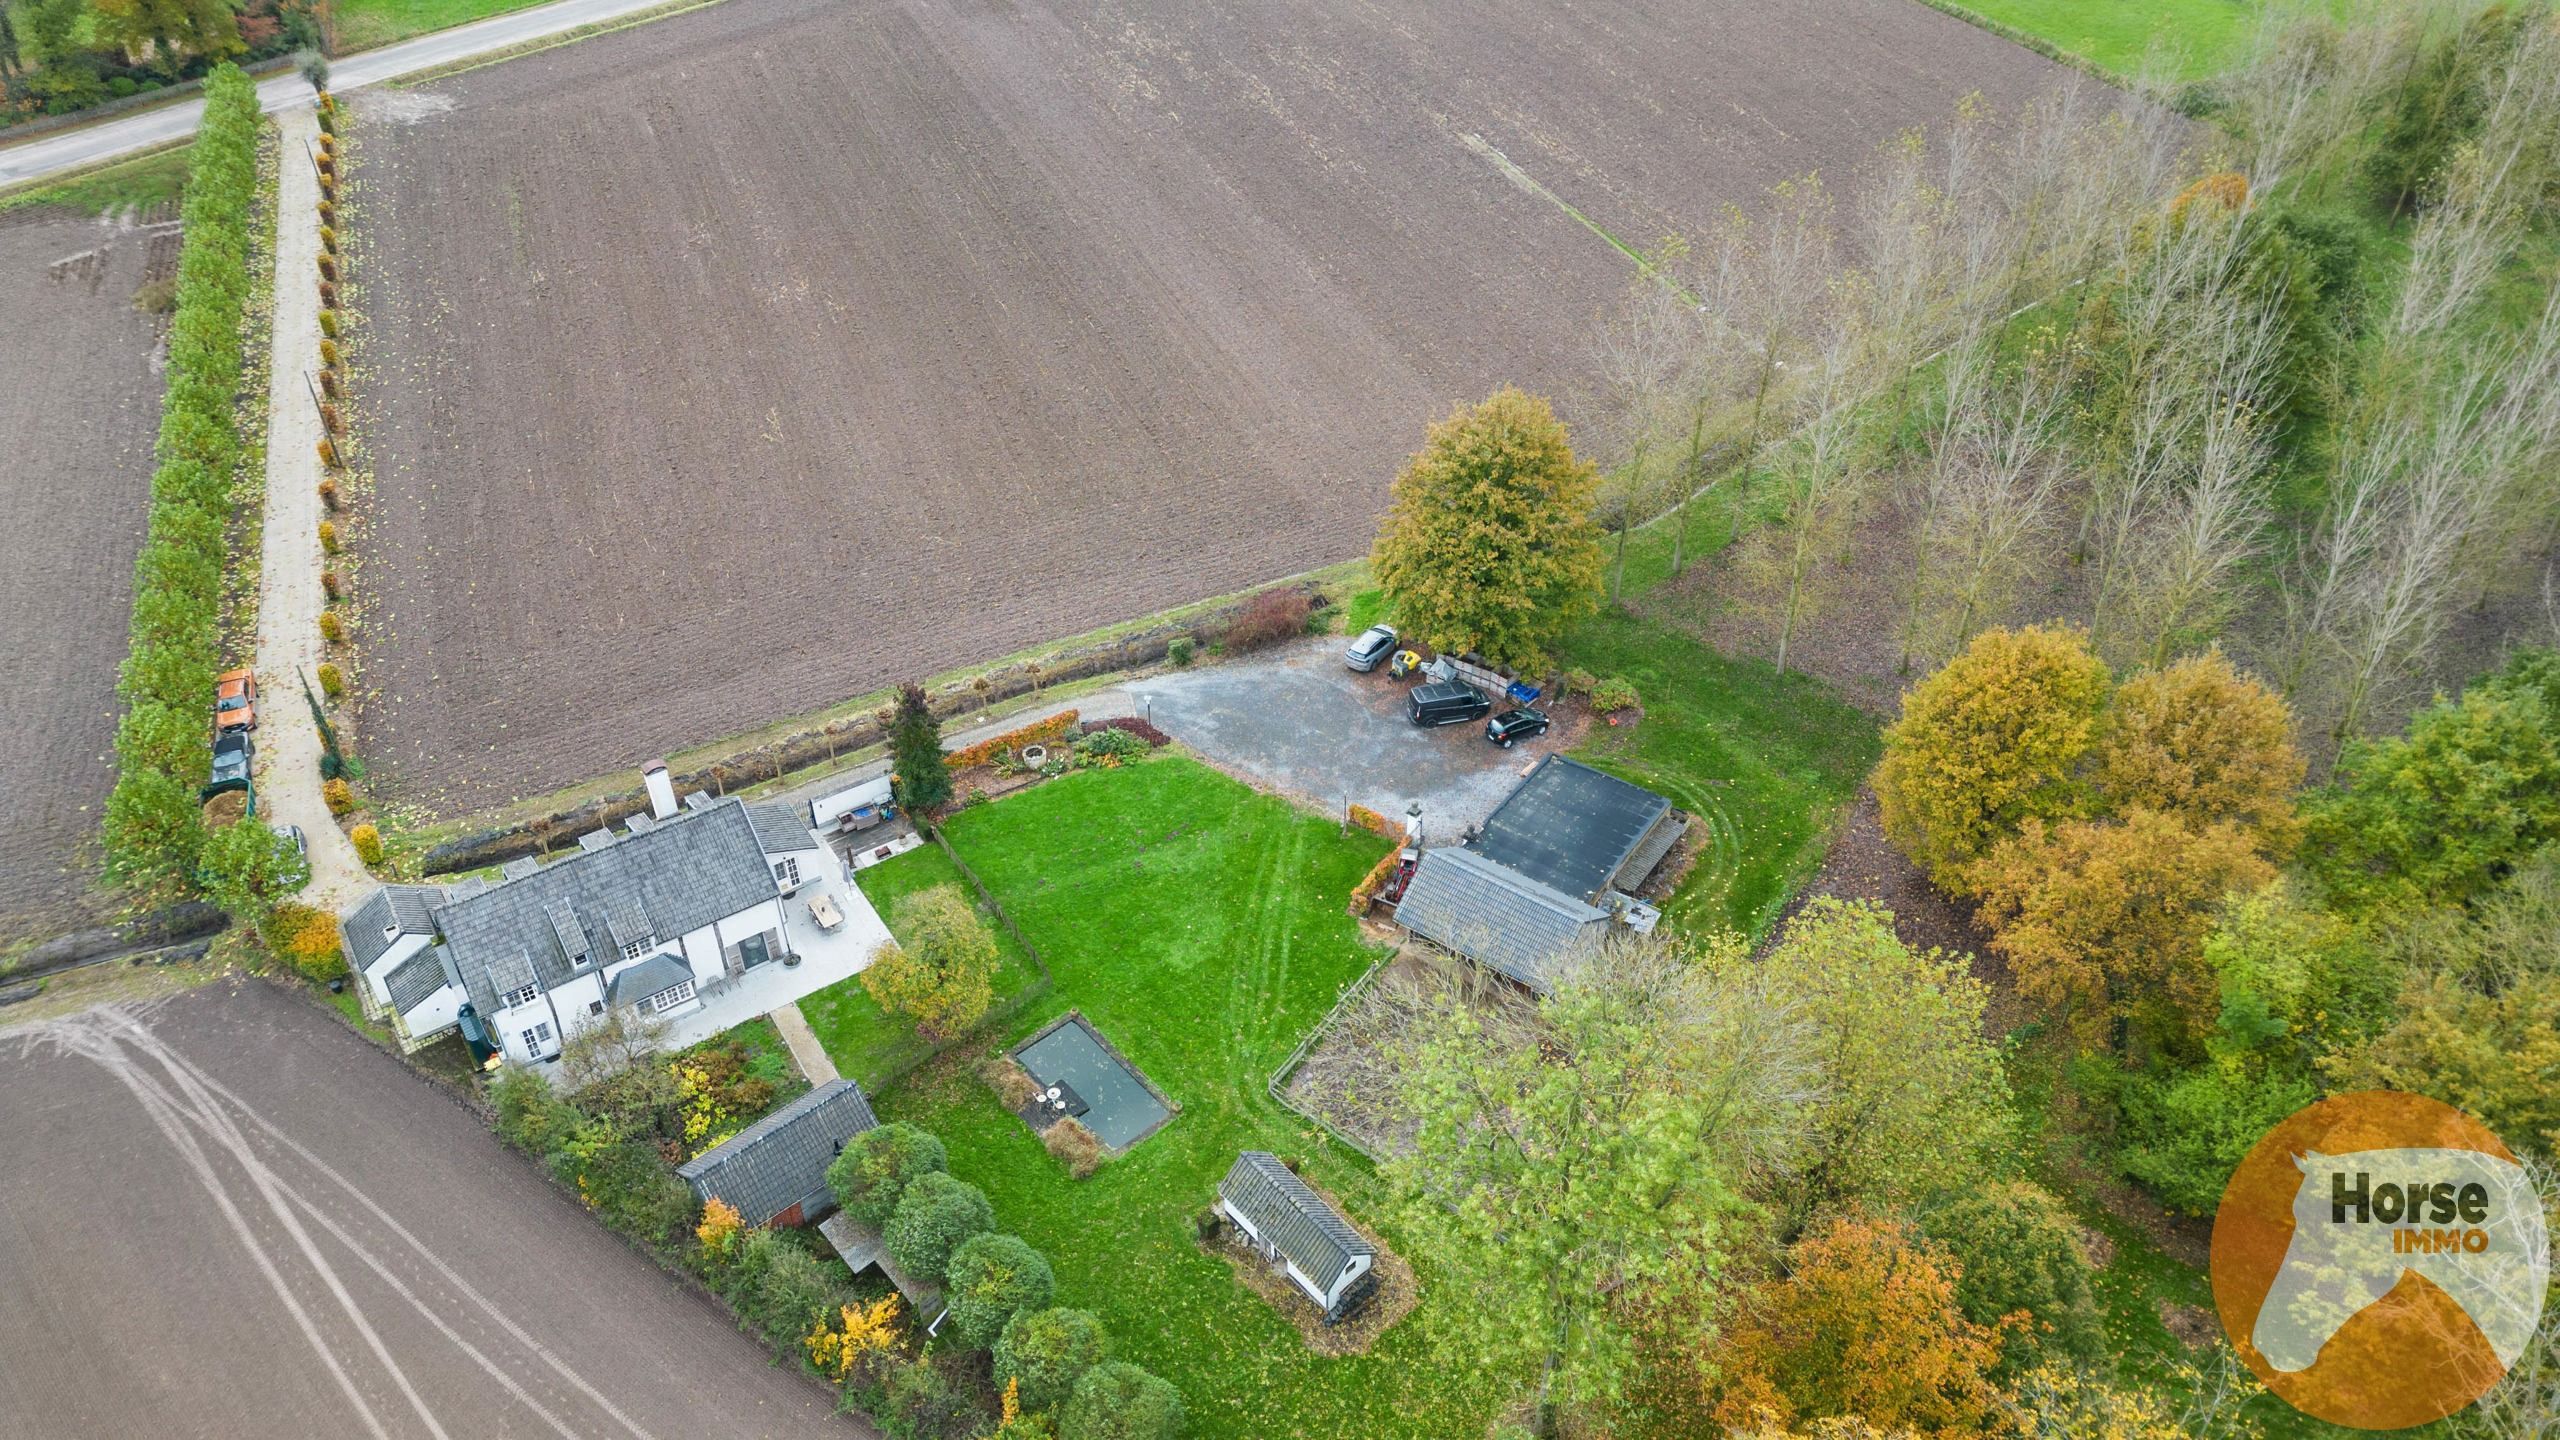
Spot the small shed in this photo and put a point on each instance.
(775, 1171)
(861, 1248)
(1292, 1226)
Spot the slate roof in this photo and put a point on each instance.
(1570, 827)
(658, 972)
(781, 1160)
(1495, 916)
(663, 882)
(1293, 1218)
(782, 829)
(411, 908)
(414, 979)
(1649, 852)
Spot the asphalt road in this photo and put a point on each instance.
(226, 1215)
(131, 134)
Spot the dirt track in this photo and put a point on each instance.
(734, 364)
(79, 404)
(227, 1215)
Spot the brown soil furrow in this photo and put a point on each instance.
(738, 363)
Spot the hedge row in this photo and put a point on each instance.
(153, 817)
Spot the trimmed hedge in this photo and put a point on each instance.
(153, 822)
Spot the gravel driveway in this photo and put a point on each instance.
(1301, 721)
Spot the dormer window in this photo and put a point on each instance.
(636, 948)
(521, 995)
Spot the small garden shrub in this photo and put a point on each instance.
(1178, 653)
(307, 939)
(328, 297)
(333, 628)
(1119, 1401)
(993, 1279)
(340, 795)
(1013, 1085)
(328, 533)
(938, 1214)
(1107, 748)
(329, 329)
(329, 351)
(329, 494)
(1613, 694)
(1045, 1352)
(156, 297)
(368, 843)
(1578, 682)
(1267, 619)
(329, 239)
(328, 212)
(873, 1172)
(925, 1405)
(780, 1290)
(1072, 1145)
(333, 681)
(328, 272)
(1039, 732)
(329, 583)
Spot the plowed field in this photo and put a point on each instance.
(79, 402)
(730, 365)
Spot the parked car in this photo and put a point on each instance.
(235, 701)
(1446, 702)
(293, 834)
(1515, 725)
(1374, 645)
(233, 754)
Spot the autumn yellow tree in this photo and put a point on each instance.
(860, 1335)
(1991, 740)
(940, 972)
(1490, 544)
(2105, 921)
(1865, 1324)
(719, 1228)
(2205, 743)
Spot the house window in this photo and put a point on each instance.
(637, 948)
(536, 1038)
(786, 872)
(669, 998)
(521, 995)
(595, 1007)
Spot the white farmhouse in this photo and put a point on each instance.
(689, 916)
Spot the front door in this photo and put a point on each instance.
(755, 950)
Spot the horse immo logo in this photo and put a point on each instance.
(2380, 1259)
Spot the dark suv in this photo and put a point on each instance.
(1446, 702)
(233, 754)
(1512, 725)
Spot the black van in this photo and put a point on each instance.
(1446, 702)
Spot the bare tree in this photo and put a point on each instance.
(1640, 360)
(2186, 588)
(1786, 264)
(1964, 375)
(1821, 476)
(1996, 516)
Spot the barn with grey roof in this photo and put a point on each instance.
(775, 1171)
(1296, 1229)
(1553, 871)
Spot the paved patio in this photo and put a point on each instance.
(825, 958)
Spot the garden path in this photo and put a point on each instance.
(289, 593)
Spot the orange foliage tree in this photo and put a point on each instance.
(2106, 921)
(1866, 1325)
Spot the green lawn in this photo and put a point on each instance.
(135, 184)
(363, 24)
(1200, 928)
(1765, 762)
(867, 1044)
(2199, 36)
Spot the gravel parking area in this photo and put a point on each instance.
(1301, 722)
(226, 1214)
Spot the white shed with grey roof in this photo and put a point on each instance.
(775, 1171)
(1285, 1219)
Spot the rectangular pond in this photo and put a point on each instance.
(1123, 1108)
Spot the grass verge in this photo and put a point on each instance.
(1764, 761)
(155, 179)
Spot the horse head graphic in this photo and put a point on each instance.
(2467, 1221)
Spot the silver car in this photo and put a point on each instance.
(1374, 645)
